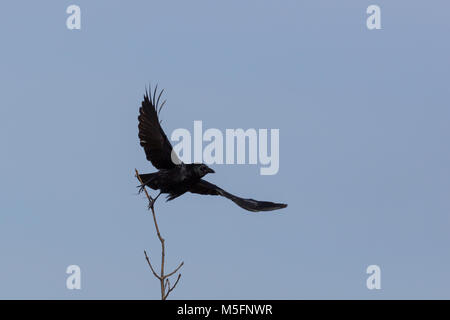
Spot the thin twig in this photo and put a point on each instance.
(171, 288)
(167, 283)
(163, 279)
(148, 261)
(175, 271)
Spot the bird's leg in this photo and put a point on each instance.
(157, 196)
(152, 201)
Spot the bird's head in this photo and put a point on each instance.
(202, 169)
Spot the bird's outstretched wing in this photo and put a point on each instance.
(152, 137)
(205, 187)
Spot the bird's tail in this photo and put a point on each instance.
(253, 205)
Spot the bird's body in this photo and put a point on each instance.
(175, 181)
(175, 177)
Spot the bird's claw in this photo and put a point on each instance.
(151, 203)
(141, 188)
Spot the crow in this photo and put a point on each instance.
(173, 176)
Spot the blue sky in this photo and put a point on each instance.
(364, 157)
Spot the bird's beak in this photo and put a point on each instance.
(211, 170)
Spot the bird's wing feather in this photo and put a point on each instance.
(152, 137)
(207, 188)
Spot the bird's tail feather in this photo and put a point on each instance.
(253, 205)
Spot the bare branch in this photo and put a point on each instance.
(167, 284)
(163, 279)
(175, 271)
(171, 288)
(153, 270)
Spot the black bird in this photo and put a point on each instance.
(173, 176)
